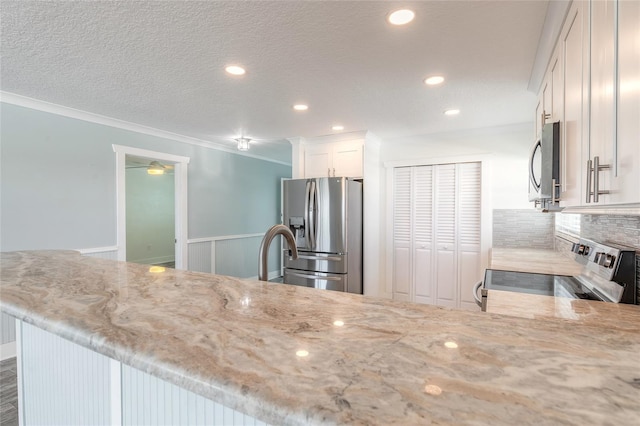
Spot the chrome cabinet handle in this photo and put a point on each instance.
(596, 178)
(334, 172)
(329, 172)
(589, 170)
(555, 186)
(476, 287)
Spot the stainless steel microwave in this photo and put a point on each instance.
(544, 169)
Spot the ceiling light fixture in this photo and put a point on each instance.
(155, 168)
(434, 80)
(452, 112)
(300, 107)
(243, 144)
(401, 17)
(235, 70)
(337, 128)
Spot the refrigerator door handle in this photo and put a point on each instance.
(307, 196)
(313, 206)
(314, 277)
(332, 258)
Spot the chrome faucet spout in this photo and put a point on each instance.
(263, 261)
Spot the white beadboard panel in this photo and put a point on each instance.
(239, 257)
(110, 253)
(149, 401)
(62, 383)
(200, 256)
(7, 329)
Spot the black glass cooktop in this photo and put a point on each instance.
(544, 284)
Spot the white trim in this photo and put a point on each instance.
(8, 350)
(38, 105)
(619, 210)
(153, 260)
(19, 370)
(224, 237)
(115, 385)
(180, 183)
(97, 250)
(271, 275)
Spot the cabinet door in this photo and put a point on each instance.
(573, 157)
(445, 235)
(423, 272)
(625, 187)
(602, 133)
(468, 218)
(317, 161)
(402, 233)
(347, 159)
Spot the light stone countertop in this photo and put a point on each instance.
(611, 315)
(537, 261)
(235, 341)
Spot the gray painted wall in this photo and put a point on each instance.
(150, 217)
(58, 183)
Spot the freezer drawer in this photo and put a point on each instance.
(323, 262)
(321, 280)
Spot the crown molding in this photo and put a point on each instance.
(39, 105)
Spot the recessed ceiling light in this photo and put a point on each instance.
(301, 107)
(401, 17)
(337, 127)
(432, 81)
(452, 112)
(235, 70)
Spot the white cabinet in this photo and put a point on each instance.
(600, 131)
(573, 46)
(334, 159)
(436, 234)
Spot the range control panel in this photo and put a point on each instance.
(609, 261)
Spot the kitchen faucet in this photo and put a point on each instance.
(263, 264)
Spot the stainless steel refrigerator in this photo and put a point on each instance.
(325, 216)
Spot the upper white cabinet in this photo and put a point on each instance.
(573, 50)
(334, 159)
(597, 101)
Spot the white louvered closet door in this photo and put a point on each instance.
(468, 248)
(422, 235)
(436, 234)
(402, 233)
(445, 241)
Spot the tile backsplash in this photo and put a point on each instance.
(523, 228)
(623, 230)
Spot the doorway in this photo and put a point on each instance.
(151, 213)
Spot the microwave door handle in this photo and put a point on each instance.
(532, 175)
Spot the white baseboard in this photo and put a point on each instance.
(8, 350)
(270, 276)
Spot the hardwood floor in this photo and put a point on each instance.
(8, 393)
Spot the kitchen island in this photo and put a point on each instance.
(291, 355)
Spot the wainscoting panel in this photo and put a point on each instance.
(8, 329)
(200, 256)
(147, 400)
(239, 257)
(62, 383)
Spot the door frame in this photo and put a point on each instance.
(180, 199)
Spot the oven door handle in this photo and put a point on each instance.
(476, 287)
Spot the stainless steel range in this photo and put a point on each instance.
(608, 274)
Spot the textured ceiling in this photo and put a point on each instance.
(161, 64)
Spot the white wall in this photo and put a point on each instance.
(507, 147)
